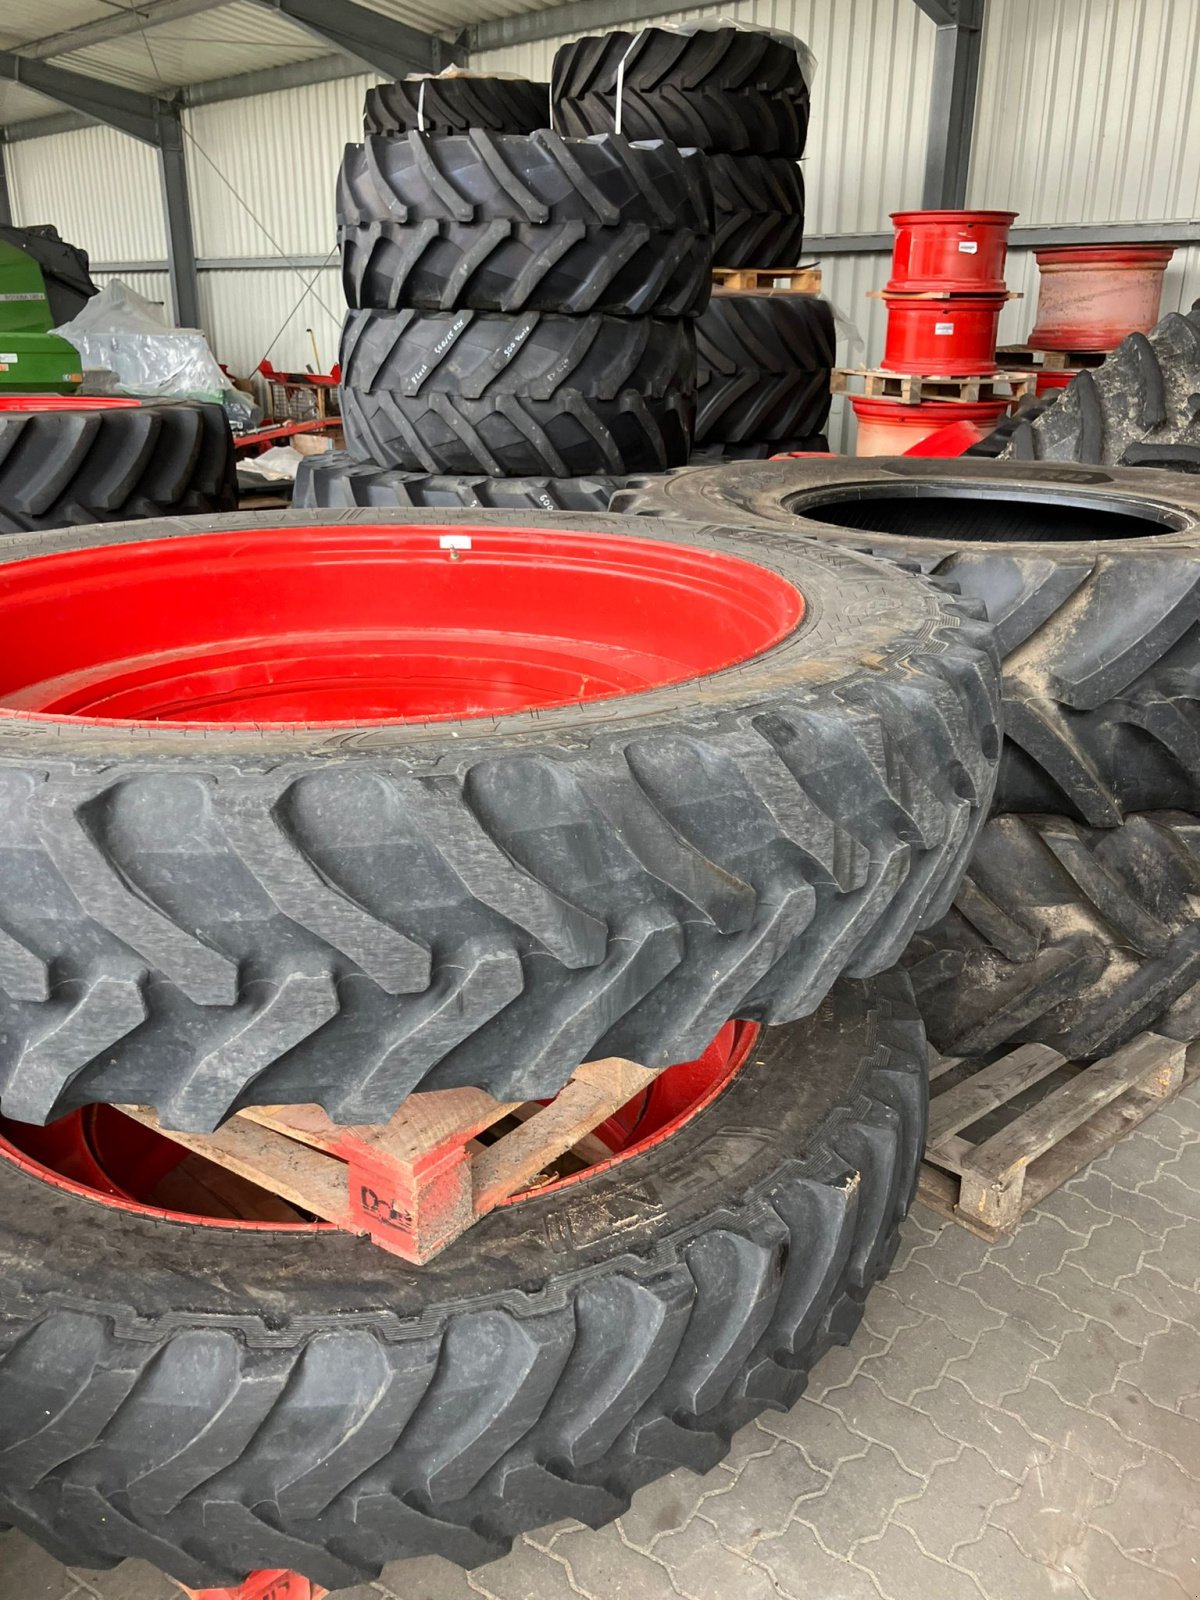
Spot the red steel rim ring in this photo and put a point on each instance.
(105, 1156)
(349, 624)
(66, 402)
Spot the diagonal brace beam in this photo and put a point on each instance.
(133, 113)
(375, 40)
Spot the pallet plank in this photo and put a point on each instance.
(988, 1088)
(595, 1091)
(767, 280)
(911, 387)
(1102, 1102)
(451, 1114)
(303, 1177)
(1148, 1060)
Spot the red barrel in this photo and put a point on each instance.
(1091, 296)
(890, 428)
(950, 252)
(949, 338)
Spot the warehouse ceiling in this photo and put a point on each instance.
(167, 47)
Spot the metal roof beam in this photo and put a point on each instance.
(270, 80)
(150, 14)
(580, 16)
(375, 40)
(133, 113)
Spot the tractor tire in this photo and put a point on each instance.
(454, 105)
(759, 211)
(338, 480)
(83, 461)
(1140, 409)
(217, 1400)
(1090, 574)
(724, 90)
(525, 223)
(996, 443)
(776, 777)
(763, 368)
(471, 393)
(1079, 938)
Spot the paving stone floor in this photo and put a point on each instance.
(1019, 1422)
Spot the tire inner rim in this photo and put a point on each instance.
(973, 513)
(353, 623)
(100, 1153)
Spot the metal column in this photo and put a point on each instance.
(177, 214)
(952, 108)
(5, 196)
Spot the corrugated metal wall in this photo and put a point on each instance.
(98, 187)
(1089, 110)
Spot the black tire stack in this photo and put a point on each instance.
(521, 304)
(737, 94)
(741, 97)
(483, 902)
(764, 364)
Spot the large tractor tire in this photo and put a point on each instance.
(1079, 938)
(470, 393)
(525, 223)
(758, 209)
(1090, 574)
(70, 460)
(335, 806)
(1140, 409)
(454, 105)
(722, 90)
(338, 480)
(216, 1399)
(763, 368)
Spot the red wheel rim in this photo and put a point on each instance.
(65, 402)
(105, 1156)
(351, 624)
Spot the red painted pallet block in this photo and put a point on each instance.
(274, 1585)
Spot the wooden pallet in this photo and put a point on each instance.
(1025, 355)
(415, 1183)
(910, 388)
(988, 1183)
(767, 280)
(939, 294)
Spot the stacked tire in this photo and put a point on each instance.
(738, 94)
(521, 309)
(709, 773)
(1078, 925)
(764, 365)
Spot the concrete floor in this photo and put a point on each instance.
(1019, 1422)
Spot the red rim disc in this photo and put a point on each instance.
(351, 624)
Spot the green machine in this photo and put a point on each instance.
(43, 282)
